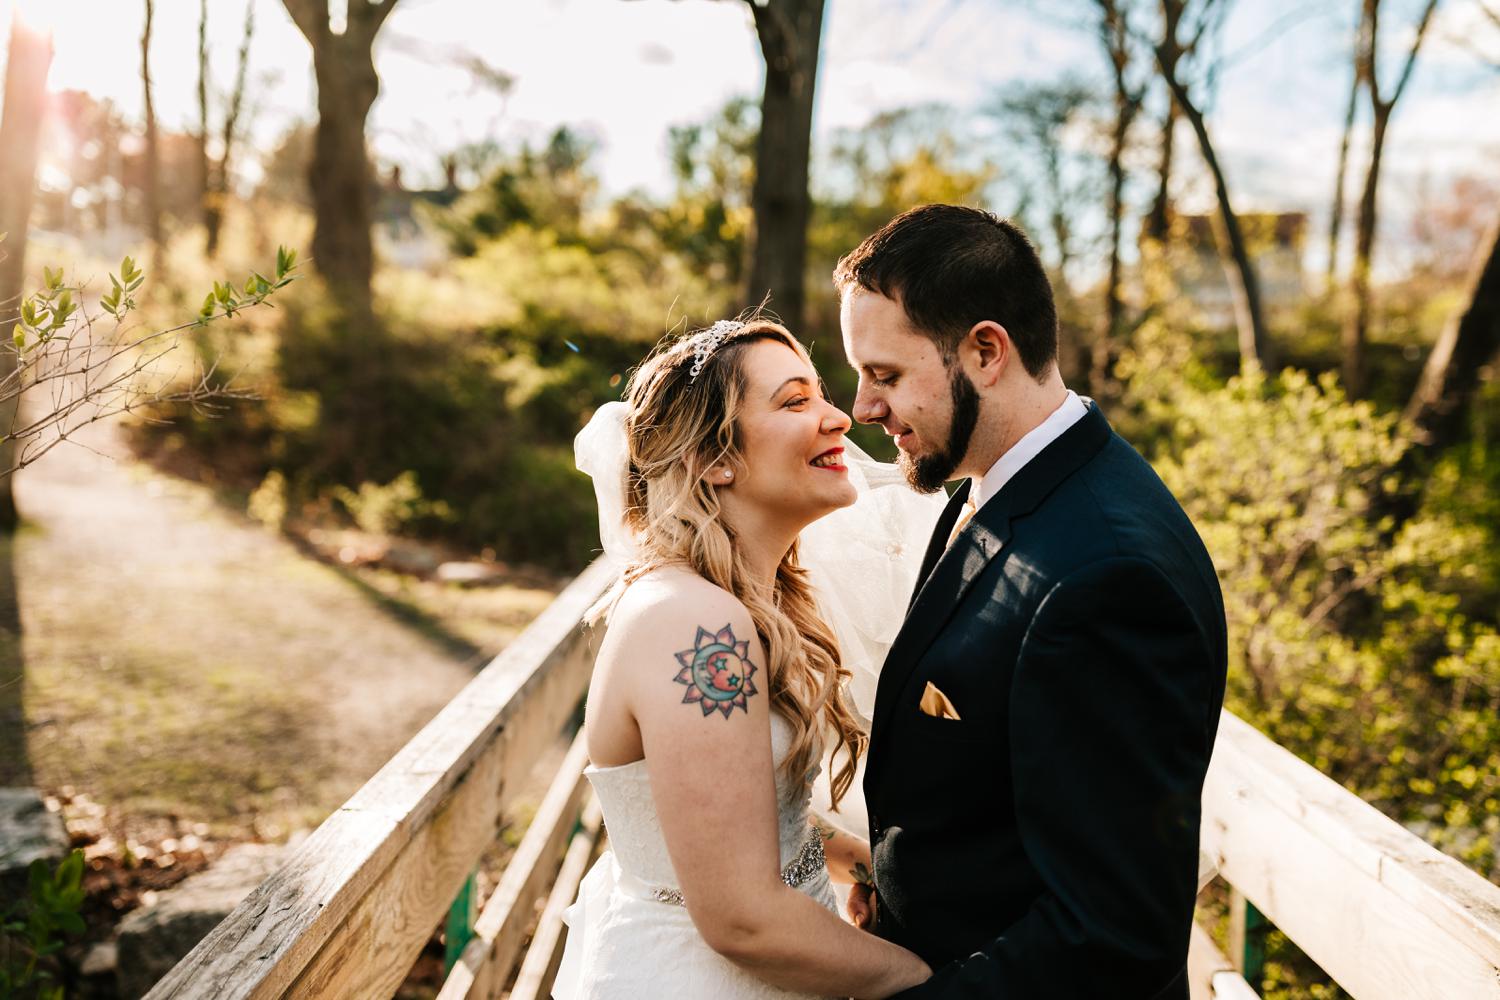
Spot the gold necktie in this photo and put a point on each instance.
(964, 517)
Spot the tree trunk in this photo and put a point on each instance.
(1240, 270)
(339, 178)
(789, 31)
(152, 179)
(1357, 326)
(20, 131)
(1438, 408)
(1159, 219)
(218, 193)
(1356, 329)
(203, 178)
(1470, 340)
(1127, 104)
(1336, 216)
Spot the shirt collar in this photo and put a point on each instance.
(1072, 410)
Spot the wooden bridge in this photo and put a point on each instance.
(1383, 913)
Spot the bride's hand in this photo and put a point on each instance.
(861, 906)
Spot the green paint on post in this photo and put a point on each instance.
(1253, 960)
(1248, 928)
(460, 926)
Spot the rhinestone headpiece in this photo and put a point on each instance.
(705, 342)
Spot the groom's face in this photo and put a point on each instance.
(928, 406)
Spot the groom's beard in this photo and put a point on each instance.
(928, 473)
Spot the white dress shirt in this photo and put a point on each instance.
(1072, 410)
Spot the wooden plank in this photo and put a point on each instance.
(426, 815)
(1211, 975)
(1436, 885)
(1314, 879)
(539, 968)
(482, 969)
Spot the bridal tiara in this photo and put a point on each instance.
(705, 342)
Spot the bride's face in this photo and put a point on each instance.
(792, 439)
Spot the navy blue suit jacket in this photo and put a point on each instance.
(1045, 845)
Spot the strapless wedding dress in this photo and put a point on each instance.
(630, 938)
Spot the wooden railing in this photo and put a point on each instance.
(1384, 914)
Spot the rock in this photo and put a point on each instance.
(154, 938)
(468, 574)
(100, 960)
(28, 831)
(413, 558)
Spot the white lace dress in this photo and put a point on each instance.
(626, 943)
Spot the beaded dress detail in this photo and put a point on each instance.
(629, 936)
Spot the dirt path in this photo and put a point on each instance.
(183, 663)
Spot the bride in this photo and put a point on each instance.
(718, 689)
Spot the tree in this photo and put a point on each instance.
(1035, 116)
(217, 175)
(1185, 25)
(1470, 340)
(789, 32)
(1114, 34)
(1336, 215)
(153, 152)
(1356, 329)
(1158, 221)
(20, 129)
(339, 177)
(203, 167)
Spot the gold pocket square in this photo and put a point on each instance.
(936, 704)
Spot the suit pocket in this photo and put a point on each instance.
(945, 730)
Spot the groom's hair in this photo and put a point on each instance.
(952, 267)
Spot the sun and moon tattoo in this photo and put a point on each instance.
(717, 672)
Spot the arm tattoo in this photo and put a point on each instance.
(862, 875)
(717, 672)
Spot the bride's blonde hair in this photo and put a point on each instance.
(677, 427)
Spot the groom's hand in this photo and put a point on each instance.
(861, 906)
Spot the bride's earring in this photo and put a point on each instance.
(728, 473)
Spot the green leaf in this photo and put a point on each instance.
(71, 923)
(70, 872)
(19, 336)
(38, 879)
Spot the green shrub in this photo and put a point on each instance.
(1368, 649)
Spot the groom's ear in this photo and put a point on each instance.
(990, 349)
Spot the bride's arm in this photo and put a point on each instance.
(848, 856)
(713, 784)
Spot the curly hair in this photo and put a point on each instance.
(678, 426)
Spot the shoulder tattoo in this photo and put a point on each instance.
(717, 672)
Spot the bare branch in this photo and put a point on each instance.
(1411, 57)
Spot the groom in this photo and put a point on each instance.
(1045, 717)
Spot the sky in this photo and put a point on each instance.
(625, 71)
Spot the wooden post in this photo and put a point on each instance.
(1247, 939)
(460, 928)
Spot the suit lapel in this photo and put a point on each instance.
(949, 573)
(939, 540)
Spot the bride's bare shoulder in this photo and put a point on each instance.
(670, 595)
